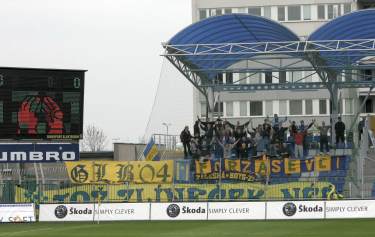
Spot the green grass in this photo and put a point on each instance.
(319, 228)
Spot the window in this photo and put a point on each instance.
(306, 12)
(348, 75)
(294, 13)
(243, 78)
(219, 79)
(255, 11)
(308, 107)
(255, 78)
(308, 76)
(268, 77)
(322, 107)
(282, 107)
(243, 108)
(219, 12)
(229, 108)
(267, 12)
(256, 108)
(203, 109)
(368, 106)
(241, 10)
(202, 14)
(269, 107)
(281, 13)
(348, 106)
(227, 10)
(330, 11)
(333, 11)
(229, 78)
(367, 75)
(282, 76)
(347, 8)
(218, 110)
(212, 12)
(321, 12)
(295, 107)
(295, 76)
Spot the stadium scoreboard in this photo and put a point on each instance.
(41, 103)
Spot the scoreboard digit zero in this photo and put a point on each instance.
(41, 103)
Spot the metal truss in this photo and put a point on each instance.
(269, 47)
(193, 77)
(290, 86)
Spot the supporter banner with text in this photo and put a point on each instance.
(248, 170)
(179, 192)
(139, 172)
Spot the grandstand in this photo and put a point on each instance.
(263, 173)
(264, 161)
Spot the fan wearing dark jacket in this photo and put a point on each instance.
(185, 137)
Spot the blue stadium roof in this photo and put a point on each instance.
(244, 28)
(233, 28)
(354, 26)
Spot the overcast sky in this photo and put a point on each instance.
(117, 41)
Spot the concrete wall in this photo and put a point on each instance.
(127, 151)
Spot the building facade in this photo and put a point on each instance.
(302, 17)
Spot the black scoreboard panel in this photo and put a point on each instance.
(41, 103)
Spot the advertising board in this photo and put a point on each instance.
(40, 153)
(17, 213)
(295, 210)
(350, 209)
(179, 211)
(236, 210)
(94, 212)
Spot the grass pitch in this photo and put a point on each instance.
(310, 228)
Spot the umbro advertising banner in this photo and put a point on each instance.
(94, 212)
(236, 210)
(350, 209)
(17, 213)
(41, 153)
(295, 210)
(179, 211)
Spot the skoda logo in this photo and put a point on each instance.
(61, 211)
(173, 210)
(289, 209)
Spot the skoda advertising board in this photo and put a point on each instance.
(41, 153)
(295, 210)
(94, 212)
(350, 209)
(179, 211)
(236, 210)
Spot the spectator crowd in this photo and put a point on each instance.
(274, 137)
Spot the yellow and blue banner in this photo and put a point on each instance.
(179, 192)
(109, 172)
(151, 152)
